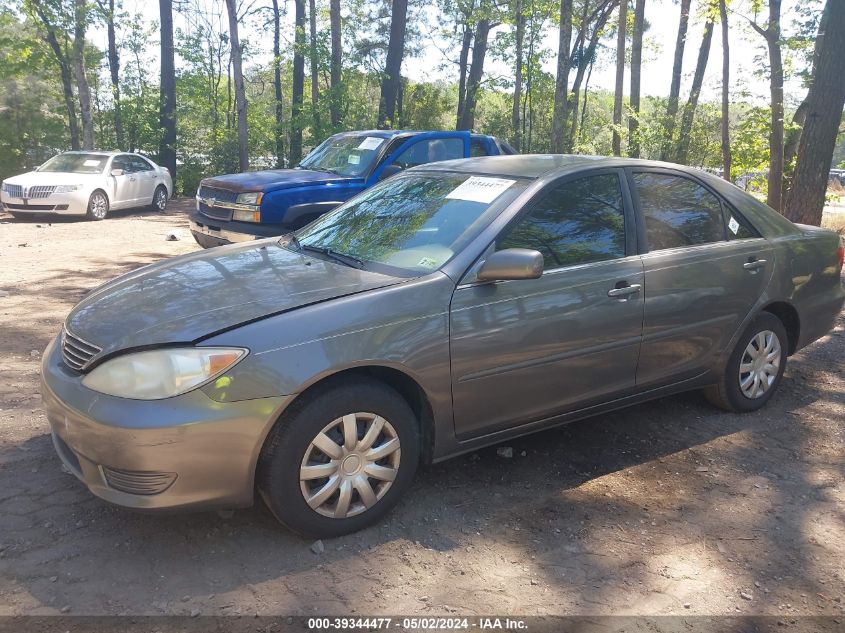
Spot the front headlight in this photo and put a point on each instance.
(250, 198)
(246, 216)
(67, 188)
(162, 373)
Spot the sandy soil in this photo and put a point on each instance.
(668, 507)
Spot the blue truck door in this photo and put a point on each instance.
(423, 148)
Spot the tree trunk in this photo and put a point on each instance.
(519, 18)
(826, 99)
(167, 98)
(620, 77)
(636, 67)
(314, 62)
(336, 63)
(675, 88)
(240, 89)
(79, 25)
(682, 154)
(298, 83)
(476, 70)
(773, 198)
(393, 64)
(726, 93)
(559, 112)
(463, 64)
(67, 80)
(586, 59)
(114, 72)
(277, 80)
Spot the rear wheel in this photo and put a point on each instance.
(755, 368)
(160, 199)
(340, 460)
(98, 206)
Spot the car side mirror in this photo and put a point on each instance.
(390, 170)
(512, 263)
(117, 172)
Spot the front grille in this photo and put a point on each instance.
(76, 352)
(220, 195)
(15, 191)
(41, 191)
(138, 482)
(217, 213)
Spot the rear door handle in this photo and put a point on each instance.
(755, 265)
(624, 291)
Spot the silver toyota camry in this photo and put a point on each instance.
(450, 307)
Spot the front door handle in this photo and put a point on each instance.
(624, 291)
(755, 264)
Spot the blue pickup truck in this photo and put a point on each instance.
(252, 205)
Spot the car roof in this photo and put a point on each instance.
(395, 133)
(541, 165)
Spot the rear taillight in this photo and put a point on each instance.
(840, 255)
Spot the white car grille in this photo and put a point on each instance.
(15, 191)
(38, 192)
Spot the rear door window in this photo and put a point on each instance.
(431, 151)
(677, 211)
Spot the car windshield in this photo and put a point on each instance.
(76, 164)
(415, 222)
(344, 154)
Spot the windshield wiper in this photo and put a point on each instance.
(343, 258)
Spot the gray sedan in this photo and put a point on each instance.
(453, 306)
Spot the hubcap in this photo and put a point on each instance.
(98, 206)
(350, 465)
(161, 200)
(760, 364)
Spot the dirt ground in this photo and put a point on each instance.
(671, 507)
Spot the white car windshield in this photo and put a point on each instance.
(345, 155)
(415, 222)
(76, 164)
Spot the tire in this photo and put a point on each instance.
(98, 206)
(160, 199)
(348, 491)
(729, 394)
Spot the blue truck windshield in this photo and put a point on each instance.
(344, 155)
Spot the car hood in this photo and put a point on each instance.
(187, 298)
(272, 179)
(34, 178)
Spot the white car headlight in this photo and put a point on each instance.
(250, 198)
(67, 188)
(162, 373)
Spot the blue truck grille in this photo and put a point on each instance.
(217, 213)
(220, 195)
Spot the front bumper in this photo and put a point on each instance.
(74, 203)
(184, 452)
(209, 232)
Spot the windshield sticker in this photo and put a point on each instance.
(92, 163)
(480, 189)
(371, 142)
(427, 262)
(733, 225)
(353, 159)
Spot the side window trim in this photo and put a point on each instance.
(642, 239)
(627, 212)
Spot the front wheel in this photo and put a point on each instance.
(160, 199)
(340, 460)
(755, 368)
(98, 206)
